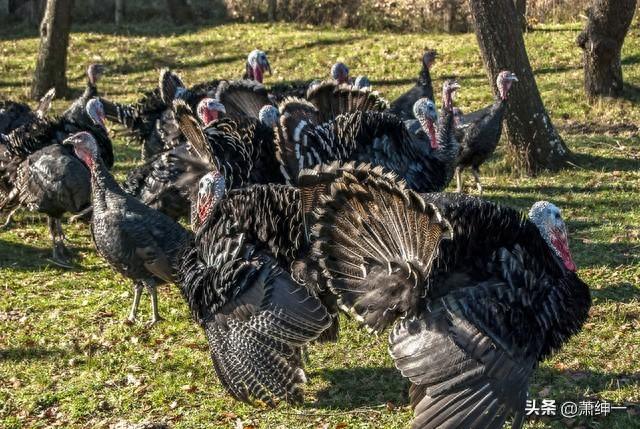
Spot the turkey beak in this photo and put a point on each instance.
(513, 77)
(267, 66)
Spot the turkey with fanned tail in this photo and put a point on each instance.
(474, 314)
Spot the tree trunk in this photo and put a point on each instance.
(601, 42)
(534, 144)
(51, 65)
(521, 10)
(180, 11)
(119, 11)
(272, 10)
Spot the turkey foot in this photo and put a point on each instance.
(8, 221)
(83, 216)
(60, 256)
(154, 307)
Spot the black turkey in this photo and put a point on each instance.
(137, 241)
(474, 314)
(423, 88)
(150, 120)
(425, 160)
(251, 287)
(77, 112)
(44, 175)
(482, 131)
(14, 114)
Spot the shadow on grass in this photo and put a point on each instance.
(19, 354)
(23, 257)
(602, 163)
(623, 292)
(361, 386)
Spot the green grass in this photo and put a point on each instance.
(66, 359)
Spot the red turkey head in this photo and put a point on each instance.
(85, 147)
(340, 72)
(211, 190)
(425, 112)
(504, 81)
(95, 110)
(257, 64)
(429, 58)
(547, 217)
(209, 110)
(449, 87)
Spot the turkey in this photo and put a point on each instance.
(478, 294)
(425, 160)
(77, 111)
(137, 241)
(150, 120)
(403, 105)
(482, 131)
(14, 114)
(46, 177)
(250, 285)
(257, 64)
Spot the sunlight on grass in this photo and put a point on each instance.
(66, 358)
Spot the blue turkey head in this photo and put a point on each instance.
(85, 147)
(428, 58)
(362, 82)
(548, 218)
(95, 72)
(425, 112)
(257, 65)
(340, 72)
(269, 116)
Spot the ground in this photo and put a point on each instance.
(66, 358)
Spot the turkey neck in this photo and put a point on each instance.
(449, 146)
(425, 77)
(102, 184)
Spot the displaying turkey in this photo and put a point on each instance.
(250, 284)
(43, 175)
(423, 88)
(425, 160)
(474, 314)
(137, 241)
(14, 114)
(482, 131)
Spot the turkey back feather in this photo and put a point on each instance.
(332, 99)
(372, 231)
(242, 98)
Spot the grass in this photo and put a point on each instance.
(67, 360)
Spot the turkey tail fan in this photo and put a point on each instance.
(45, 103)
(192, 130)
(298, 118)
(242, 98)
(376, 241)
(123, 114)
(332, 99)
(169, 84)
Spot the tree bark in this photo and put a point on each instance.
(180, 11)
(272, 10)
(601, 42)
(119, 11)
(521, 10)
(51, 65)
(534, 143)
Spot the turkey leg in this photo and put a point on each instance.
(60, 254)
(154, 305)
(459, 179)
(7, 222)
(84, 215)
(137, 292)
(476, 175)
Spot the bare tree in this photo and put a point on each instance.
(180, 11)
(601, 42)
(521, 10)
(51, 65)
(534, 143)
(119, 11)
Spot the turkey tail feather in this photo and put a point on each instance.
(332, 99)
(242, 98)
(376, 241)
